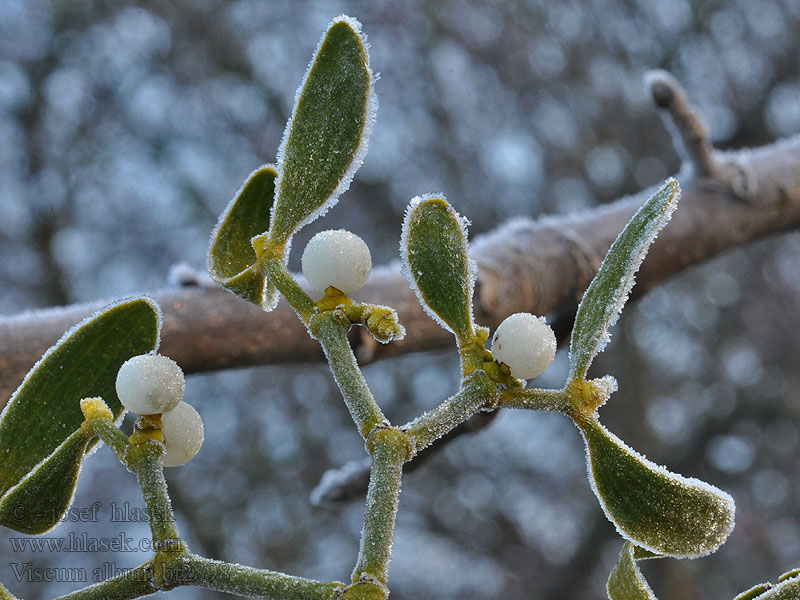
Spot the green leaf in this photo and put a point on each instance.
(5, 594)
(787, 589)
(254, 288)
(626, 581)
(45, 409)
(325, 140)
(754, 592)
(231, 255)
(661, 511)
(790, 574)
(607, 293)
(38, 502)
(435, 262)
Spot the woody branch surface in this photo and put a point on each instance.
(540, 266)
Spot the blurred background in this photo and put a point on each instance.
(126, 127)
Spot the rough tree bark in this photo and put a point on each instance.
(540, 266)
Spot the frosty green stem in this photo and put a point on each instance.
(212, 574)
(106, 430)
(130, 584)
(255, 583)
(390, 449)
(279, 275)
(145, 461)
(478, 392)
(330, 328)
(535, 399)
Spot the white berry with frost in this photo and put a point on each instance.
(525, 343)
(183, 433)
(336, 258)
(149, 384)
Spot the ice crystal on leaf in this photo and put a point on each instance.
(607, 293)
(435, 261)
(325, 140)
(626, 581)
(660, 511)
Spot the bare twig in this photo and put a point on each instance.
(685, 121)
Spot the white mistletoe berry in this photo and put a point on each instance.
(149, 384)
(526, 344)
(336, 258)
(183, 433)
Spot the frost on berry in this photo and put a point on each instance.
(526, 344)
(336, 258)
(183, 433)
(149, 384)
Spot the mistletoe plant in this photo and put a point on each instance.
(78, 392)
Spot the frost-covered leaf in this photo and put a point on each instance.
(45, 409)
(754, 592)
(608, 291)
(788, 588)
(39, 501)
(326, 138)
(658, 510)
(626, 581)
(790, 574)
(5, 594)
(435, 262)
(231, 253)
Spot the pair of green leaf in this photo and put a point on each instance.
(436, 263)
(654, 508)
(659, 510)
(787, 588)
(323, 146)
(626, 581)
(42, 444)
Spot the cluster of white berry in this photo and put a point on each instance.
(151, 384)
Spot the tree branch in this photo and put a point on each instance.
(541, 266)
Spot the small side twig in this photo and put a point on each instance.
(685, 122)
(350, 481)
